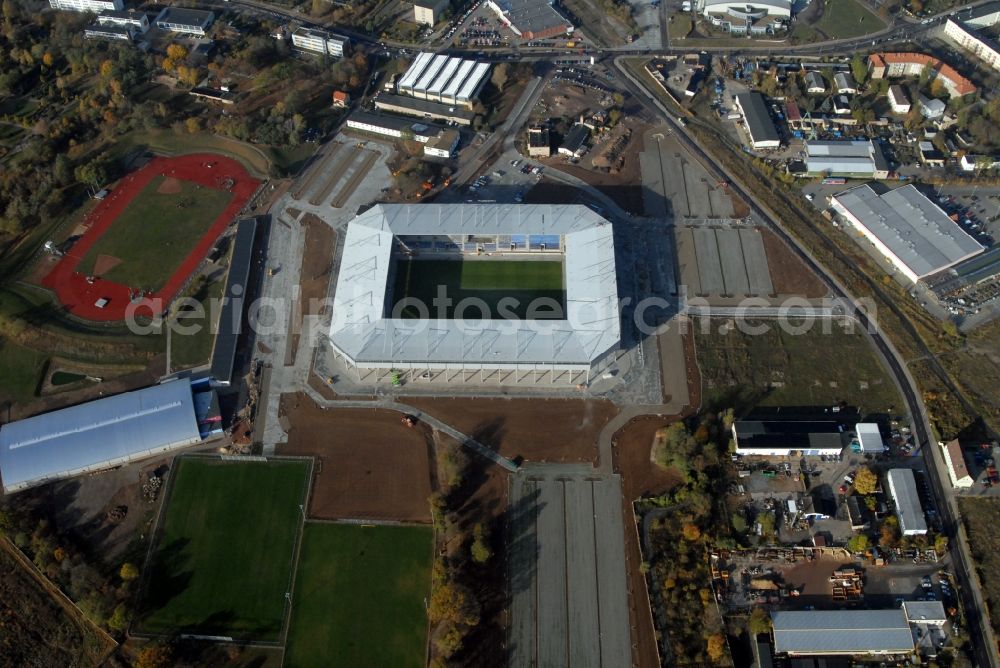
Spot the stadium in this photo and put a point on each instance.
(477, 293)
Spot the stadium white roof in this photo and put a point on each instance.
(911, 227)
(903, 488)
(97, 435)
(362, 331)
(805, 632)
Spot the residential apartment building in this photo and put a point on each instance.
(320, 41)
(184, 21)
(95, 6)
(428, 13)
(895, 65)
(978, 44)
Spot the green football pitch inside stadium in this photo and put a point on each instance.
(155, 233)
(487, 280)
(222, 561)
(359, 597)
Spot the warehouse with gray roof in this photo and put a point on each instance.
(856, 159)
(108, 432)
(531, 19)
(757, 120)
(841, 632)
(903, 488)
(907, 228)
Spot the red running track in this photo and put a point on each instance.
(79, 296)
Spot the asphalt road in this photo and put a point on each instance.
(975, 607)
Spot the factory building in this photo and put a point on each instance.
(909, 230)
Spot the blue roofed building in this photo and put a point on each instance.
(108, 432)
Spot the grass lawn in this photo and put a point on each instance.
(190, 350)
(223, 557)
(156, 232)
(359, 597)
(486, 280)
(780, 368)
(842, 19)
(680, 26)
(167, 142)
(982, 524)
(21, 370)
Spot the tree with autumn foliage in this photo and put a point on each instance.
(716, 647)
(865, 481)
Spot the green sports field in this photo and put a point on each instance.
(156, 232)
(359, 597)
(222, 561)
(486, 280)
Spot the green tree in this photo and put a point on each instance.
(859, 68)
(758, 622)
(128, 571)
(119, 618)
(766, 521)
(858, 543)
(95, 173)
(449, 641)
(451, 601)
(480, 549)
(940, 544)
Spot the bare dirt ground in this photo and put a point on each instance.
(169, 186)
(105, 263)
(788, 274)
(81, 506)
(624, 193)
(314, 277)
(632, 446)
(624, 184)
(368, 464)
(639, 477)
(537, 430)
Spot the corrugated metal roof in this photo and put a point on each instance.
(473, 82)
(841, 632)
(361, 330)
(415, 70)
(903, 488)
(97, 434)
(912, 227)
